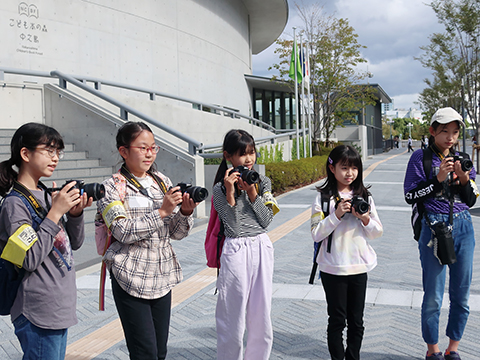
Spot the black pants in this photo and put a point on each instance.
(345, 305)
(145, 323)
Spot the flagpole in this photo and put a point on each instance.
(310, 133)
(296, 93)
(303, 98)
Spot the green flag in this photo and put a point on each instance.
(292, 64)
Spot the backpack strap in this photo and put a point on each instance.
(325, 204)
(427, 161)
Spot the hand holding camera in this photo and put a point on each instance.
(356, 205)
(73, 197)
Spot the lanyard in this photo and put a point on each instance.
(21, 189)
(437, 152)
(132, 180)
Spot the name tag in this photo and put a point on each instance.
(114, 211)
(139, 202)
(18, 244)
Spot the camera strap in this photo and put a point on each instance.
(32, 200)
(132, 180)
(39, 209)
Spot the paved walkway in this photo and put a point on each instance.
(392, 314)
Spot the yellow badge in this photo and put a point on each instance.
(114, 211)
(18, 244)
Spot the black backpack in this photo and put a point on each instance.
(11, 276)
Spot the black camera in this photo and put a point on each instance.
(93, 190)
(360, 205)
(466, 163)
(249, 176)
(197, 193)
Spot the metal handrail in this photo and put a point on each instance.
(193, 145)
(257, 141)
(99, 82)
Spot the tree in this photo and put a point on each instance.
(454, 58)
(334, 77)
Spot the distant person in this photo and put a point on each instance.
(246, 273)
(423, 143)
(345, 259)
(143, 215)
(45, 305)
(410, 147)
(446, 193)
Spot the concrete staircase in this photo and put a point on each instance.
(75, 165)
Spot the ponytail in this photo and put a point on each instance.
(7, 176)
(221, 171)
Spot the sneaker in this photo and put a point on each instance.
(435, 356)
(452, 355)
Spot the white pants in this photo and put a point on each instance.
(245, 298)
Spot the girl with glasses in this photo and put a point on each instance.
(143, 213)
(44, 307)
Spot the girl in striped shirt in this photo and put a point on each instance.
(245, 278)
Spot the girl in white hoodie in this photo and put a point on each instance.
(345, 257)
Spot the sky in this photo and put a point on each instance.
(392, 31)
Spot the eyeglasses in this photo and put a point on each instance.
(144, 149)
(52, 152)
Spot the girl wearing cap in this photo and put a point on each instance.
(445, 195)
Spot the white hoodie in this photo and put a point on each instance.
(350, 253)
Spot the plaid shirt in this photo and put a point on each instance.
(142, 258)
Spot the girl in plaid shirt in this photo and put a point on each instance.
(142, 263)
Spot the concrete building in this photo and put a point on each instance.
(178, 64)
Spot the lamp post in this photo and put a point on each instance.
(409, 125)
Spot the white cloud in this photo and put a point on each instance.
(392, 31)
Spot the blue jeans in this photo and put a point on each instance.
(38, 343)
(434, 275)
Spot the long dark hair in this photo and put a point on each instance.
(127, 134)
(28, 136)
(345, 155)
(236, 141)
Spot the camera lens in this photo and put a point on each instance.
(467, 164)
(94, 190)
(197, 193)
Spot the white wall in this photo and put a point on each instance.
(195, 49)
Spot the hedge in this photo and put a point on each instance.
(295, 173)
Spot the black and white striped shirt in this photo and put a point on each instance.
(245, 219)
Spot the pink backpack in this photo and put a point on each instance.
(214, 239)
(103, 237)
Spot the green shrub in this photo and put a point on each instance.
(295, 173)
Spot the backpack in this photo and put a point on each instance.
(11, 276)
(214, 239)
(325, 203)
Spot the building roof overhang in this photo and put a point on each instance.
(268, 18)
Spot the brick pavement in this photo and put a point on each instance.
(299, 320)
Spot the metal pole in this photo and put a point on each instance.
(310, 129)
(296, 92)
(303, 98)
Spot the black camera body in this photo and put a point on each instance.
(249, 176)
(197, 193)
(360, 205)
(93, 190)
(465, 162)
